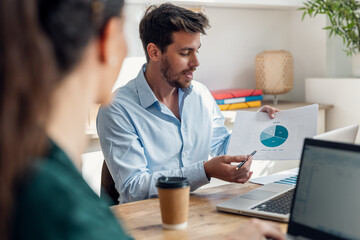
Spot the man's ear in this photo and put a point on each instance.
(154, 52)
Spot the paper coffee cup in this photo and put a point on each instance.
(174, 195)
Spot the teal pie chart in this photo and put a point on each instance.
(274, 136)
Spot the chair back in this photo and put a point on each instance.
(108, 189)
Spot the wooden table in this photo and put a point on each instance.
(142, 219)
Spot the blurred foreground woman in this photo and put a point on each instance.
(57, 57)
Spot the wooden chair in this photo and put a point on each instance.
(108, 189)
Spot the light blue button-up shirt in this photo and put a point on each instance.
(142, 139)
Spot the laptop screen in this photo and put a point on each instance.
(327, 198)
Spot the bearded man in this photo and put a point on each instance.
(163, 123)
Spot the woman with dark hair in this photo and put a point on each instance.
(57, 57)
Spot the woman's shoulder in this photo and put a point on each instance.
(56, 202)
(55, 175)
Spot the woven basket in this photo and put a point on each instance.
(274, 71)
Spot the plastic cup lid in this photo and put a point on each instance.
(172, 182)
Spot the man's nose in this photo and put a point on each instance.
(194, 61)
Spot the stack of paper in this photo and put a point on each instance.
(236, 98)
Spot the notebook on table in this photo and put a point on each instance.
(273, 201)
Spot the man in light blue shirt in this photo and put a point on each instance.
(162, 122)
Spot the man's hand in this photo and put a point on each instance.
(269, 110)
(220, 167)
(256, 229)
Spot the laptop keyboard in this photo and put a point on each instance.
(280, 204)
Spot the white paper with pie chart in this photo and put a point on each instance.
(280, 138)
(274, 136)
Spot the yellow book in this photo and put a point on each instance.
(240, 105)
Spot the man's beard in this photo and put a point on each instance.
(172, 79)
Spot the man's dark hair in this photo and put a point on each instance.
(159, 23)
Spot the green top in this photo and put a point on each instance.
(56, 203)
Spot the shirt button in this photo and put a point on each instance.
(184, 154)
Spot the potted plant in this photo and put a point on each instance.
(344, 16)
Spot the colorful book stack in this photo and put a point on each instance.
(231, 99)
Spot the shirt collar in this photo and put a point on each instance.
(146, 95)
(188, 90)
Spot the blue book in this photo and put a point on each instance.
(239, 100)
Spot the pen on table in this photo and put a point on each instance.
(242, 163)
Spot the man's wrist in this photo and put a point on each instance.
(206, 169)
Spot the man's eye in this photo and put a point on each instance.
(184, 54)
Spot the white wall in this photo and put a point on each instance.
(228, 51)
(237, 35)
(338, 64)
(343, 93)
(308, 46)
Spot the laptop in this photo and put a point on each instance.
(266, 202)
(327, 194)
(271, 201)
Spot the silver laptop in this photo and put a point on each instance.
(273, 201)
(345, 134)
(268, 201)
(327, 194)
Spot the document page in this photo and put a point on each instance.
(280, 138)
(285, 177)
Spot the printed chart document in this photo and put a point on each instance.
(285, 177)
(280, 138)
